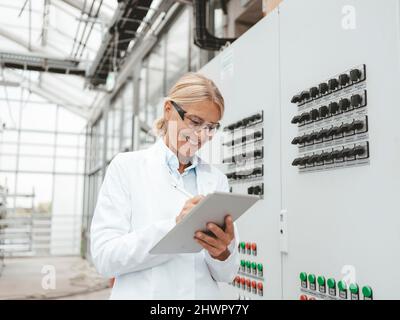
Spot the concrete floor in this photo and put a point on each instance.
(32, 278)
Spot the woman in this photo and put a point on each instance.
(141, 199)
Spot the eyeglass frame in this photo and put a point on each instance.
(182, 113)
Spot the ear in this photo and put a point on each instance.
(167, 110)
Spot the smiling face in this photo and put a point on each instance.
(182, 136)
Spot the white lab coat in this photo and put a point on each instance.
(136, 207)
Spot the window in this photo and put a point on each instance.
(127, 105)
(178, 48)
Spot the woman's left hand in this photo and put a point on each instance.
(217, 246)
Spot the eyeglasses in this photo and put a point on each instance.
(195, 122)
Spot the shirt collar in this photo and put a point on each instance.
(172, 161)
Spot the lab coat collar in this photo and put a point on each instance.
(207, 181)
(172, 160)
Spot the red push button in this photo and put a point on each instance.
(237, 281)
(248, 248)
(254, 287)
(260, 289)
(248, 285)
(254, 249)
(243, 283)
(303, 297)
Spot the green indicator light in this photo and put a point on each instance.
(260, 267)
(242, 263)
(321, 280)
(254, 265)
(367, 291)
(303, 276)
(342, 285)
(311, 278)
(353, 288)
(331, 283)
(242, 245)
(248, 264)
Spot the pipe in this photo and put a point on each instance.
(202, 37)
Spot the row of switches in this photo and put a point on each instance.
(328, 134)
(333, 108)
(330, 156)
(331, 85)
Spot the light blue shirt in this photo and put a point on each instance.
(188, 178)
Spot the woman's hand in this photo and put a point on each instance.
(217, 246)
(189, 204)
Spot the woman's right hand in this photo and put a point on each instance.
(189, 204)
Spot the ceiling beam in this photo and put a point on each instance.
(80, 5)
(49, 95)
(22, 42)
(40, 63)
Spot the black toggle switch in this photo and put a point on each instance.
(305, 95)
(231, 175)
(314, 114)
(323, 88)
(359, 150)
(356, 100)
(333, 84)
(296, 119)
(314, 92)
(304, 161)
(257, 171)
(344, 128)
(231, 127)
(246, 121)
(296, 162)
(357, 125)
(333, 131)
(355, 75)
(238, 124)
(322, 134)
(296, 99)
(257, 153)
(333, 107)
(336, 154)
(313, 136)
(310, 160)
(348, 153)
(344, 104)
(305, 117)
(316, 158)
(252, 119)
(296, 141)
(257, 190)
(344, 79)
(258, 134)
(323, 111)
(305, 138)
(326, 156)
(255, 117)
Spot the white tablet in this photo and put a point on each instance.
(213, 208)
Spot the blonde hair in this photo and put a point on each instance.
(191, 88)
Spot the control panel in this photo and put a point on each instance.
(249, 281)
(244, 153)
(332, 121)
(323, 150)
(321, 288)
